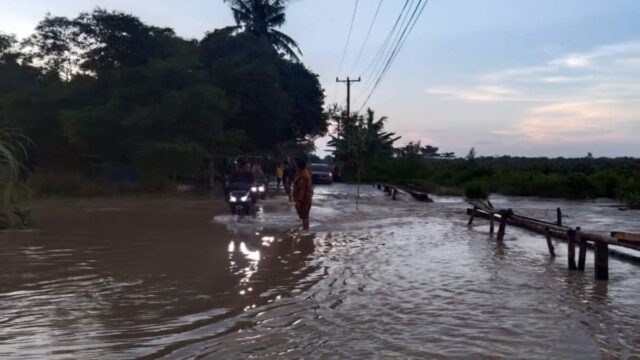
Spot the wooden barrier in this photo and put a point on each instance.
(394, 191)
(552, 250)
(571, 250)
(574, 237)
(602, 261)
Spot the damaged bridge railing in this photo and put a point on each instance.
(573, 236)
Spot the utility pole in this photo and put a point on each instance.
(348, 82)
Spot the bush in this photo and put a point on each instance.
(160, 164)
(476, 189)
(632, 200)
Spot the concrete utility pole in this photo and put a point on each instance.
(348, 82)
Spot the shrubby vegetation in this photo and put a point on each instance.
(581, 178)
(105, 91)
(361, 141)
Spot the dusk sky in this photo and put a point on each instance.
(518, 77)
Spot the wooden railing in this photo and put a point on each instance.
(573, 236)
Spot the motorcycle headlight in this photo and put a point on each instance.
(233, 199)
(254, 189)
(261, 188)
(245, 198)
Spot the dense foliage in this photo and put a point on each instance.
(104, 90)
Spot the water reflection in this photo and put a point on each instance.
(397, 279)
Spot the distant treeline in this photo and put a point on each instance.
(575, 178)
(104, 92)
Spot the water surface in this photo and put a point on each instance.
(179, 278)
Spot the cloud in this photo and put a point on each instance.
(487, 93)
(577, 98)
(576, 122)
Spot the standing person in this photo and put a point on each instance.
(287, 177)
(302, 192)
(279, 175)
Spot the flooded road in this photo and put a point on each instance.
(178, 278)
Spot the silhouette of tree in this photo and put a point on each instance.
(260, 18)
(430, 151)
(471, 155)
(6, 43)
(54, 46)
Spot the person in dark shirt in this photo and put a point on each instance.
(243, 176)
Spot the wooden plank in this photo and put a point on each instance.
(625, 236)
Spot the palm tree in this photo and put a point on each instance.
(379, 143)
(260, 18)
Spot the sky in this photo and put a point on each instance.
(518, 77)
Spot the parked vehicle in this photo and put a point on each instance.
(321, 174)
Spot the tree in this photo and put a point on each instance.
(471, 155)
(260, 18)
(429, 151)
(359, 140)
(411, 150)
(54, 46)
(378, 143)
(114, 39)
(276, 100)
(7, 42)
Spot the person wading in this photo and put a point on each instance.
(279, 175)
(287, 179)
(302, 192)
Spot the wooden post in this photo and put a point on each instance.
(473, 214)
(582, 250)
(395, 193)
(552, 251)
(379, 186)
(387, 190)
(503, 224)
(602, 260)
(491, 231)
(571, 249)
(559, 217)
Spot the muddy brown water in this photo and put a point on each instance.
(178, 278)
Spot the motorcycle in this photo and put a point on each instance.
(259, 190)
(241, 202)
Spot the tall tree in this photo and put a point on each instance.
(54, 46)
(261, 18)
(114, 39)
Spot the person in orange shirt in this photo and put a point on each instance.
(302, 192)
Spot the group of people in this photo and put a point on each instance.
(295, 178)
(297, 175)
(247, 173)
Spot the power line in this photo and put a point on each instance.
(385, 50)
(346, 46)
(399, 46)
(384, 45)
(366, 38)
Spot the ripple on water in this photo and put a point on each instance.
(395, 279)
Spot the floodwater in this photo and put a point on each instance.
(178, 278)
